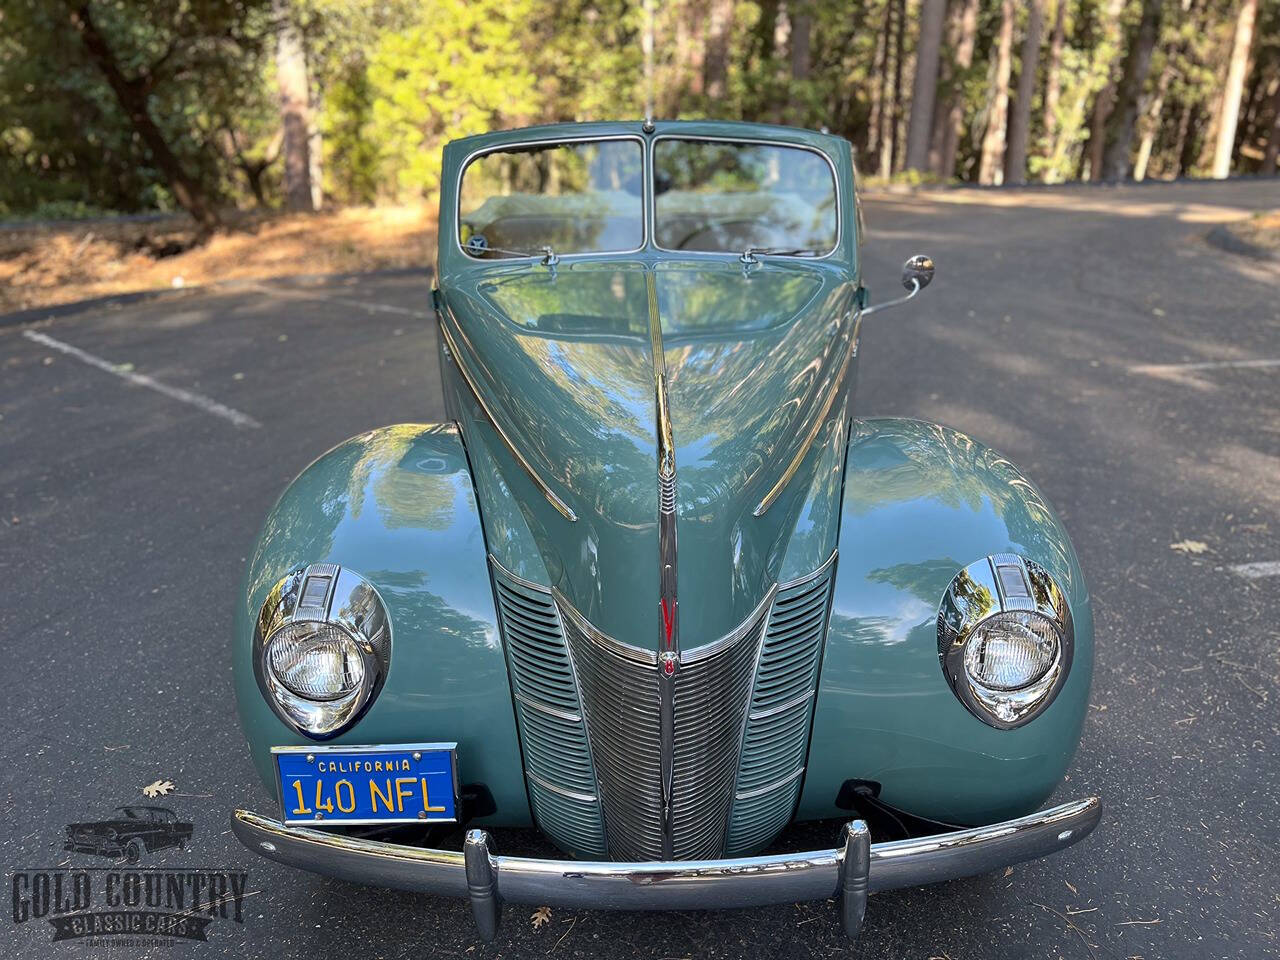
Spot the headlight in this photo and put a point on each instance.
(322, 648)
(1005, 639)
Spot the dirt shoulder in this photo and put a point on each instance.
(1257, 237)
(45, 265)
(1262, 230)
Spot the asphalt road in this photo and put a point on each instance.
(1056, 330)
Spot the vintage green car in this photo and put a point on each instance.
(653, 588)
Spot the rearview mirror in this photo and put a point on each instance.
(917, 272)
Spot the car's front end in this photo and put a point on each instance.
(653, 589)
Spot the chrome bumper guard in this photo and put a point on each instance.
(846, 873)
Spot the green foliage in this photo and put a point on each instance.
(459, 72)
(393, 80)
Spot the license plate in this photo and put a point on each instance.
(400, 783)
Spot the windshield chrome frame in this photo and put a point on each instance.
(646, 191)
(754, 141)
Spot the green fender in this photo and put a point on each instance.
(921, 501)
(397, 506)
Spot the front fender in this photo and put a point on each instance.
(920, 502)
(397, 505)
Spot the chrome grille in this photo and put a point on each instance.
(588, 708)
(776, 740)
(712, 690)
(619, 686)
(558, 767)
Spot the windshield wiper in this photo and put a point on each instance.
(749, 254)
(549, 257)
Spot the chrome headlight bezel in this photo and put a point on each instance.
(328, 595)
(1003, 583)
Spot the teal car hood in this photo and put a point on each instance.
(565, 367)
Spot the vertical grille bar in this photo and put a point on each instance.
(710, 706)
(776, 739)
(620, 700)
(559, 772)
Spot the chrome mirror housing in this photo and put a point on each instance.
(917, 272)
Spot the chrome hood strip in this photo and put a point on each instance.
(838, 386)
(453, 353)
(669, 606)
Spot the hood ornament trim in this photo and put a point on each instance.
(668, 602)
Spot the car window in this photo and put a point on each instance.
(130, 813)
(573, 197)
(721, 196)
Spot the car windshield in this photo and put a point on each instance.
(720, 196)
(573, 197)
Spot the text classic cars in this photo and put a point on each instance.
(653, 587)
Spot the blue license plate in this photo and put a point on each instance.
(410, 783)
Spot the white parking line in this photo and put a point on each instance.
(142, 380)
(1159, 368)
(1256, 571)
(359, 304)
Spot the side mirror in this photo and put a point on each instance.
(917, 272)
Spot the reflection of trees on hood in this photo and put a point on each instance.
(926, 581)
(450, 631)
(925, 461)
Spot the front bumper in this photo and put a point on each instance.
(845, 873)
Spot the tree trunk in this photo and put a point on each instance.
(295, 108)
(801, 28)
(924, 90)
(990, 166)
(896, 127)
(1052, 82)
(1015, 158)
(1230, 111)
(1113, 38)
(967, 38)
(715, 66)
(1272, 151)
(1185, 151)
(1115, 159)
(765, 28)
(315, 151)
(132, 95)
(943, 90)
(1151, 125)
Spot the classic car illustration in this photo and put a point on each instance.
(654, 587)
(137, 830)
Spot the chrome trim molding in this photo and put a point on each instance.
(668, 600)
(695, 885)
(770, 787)
(456, 356)
(986, 588)
(838, 387)
(548, 785)
(324, 593)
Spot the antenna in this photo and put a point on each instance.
(647, 45)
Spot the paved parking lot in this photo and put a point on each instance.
(1090, 335)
